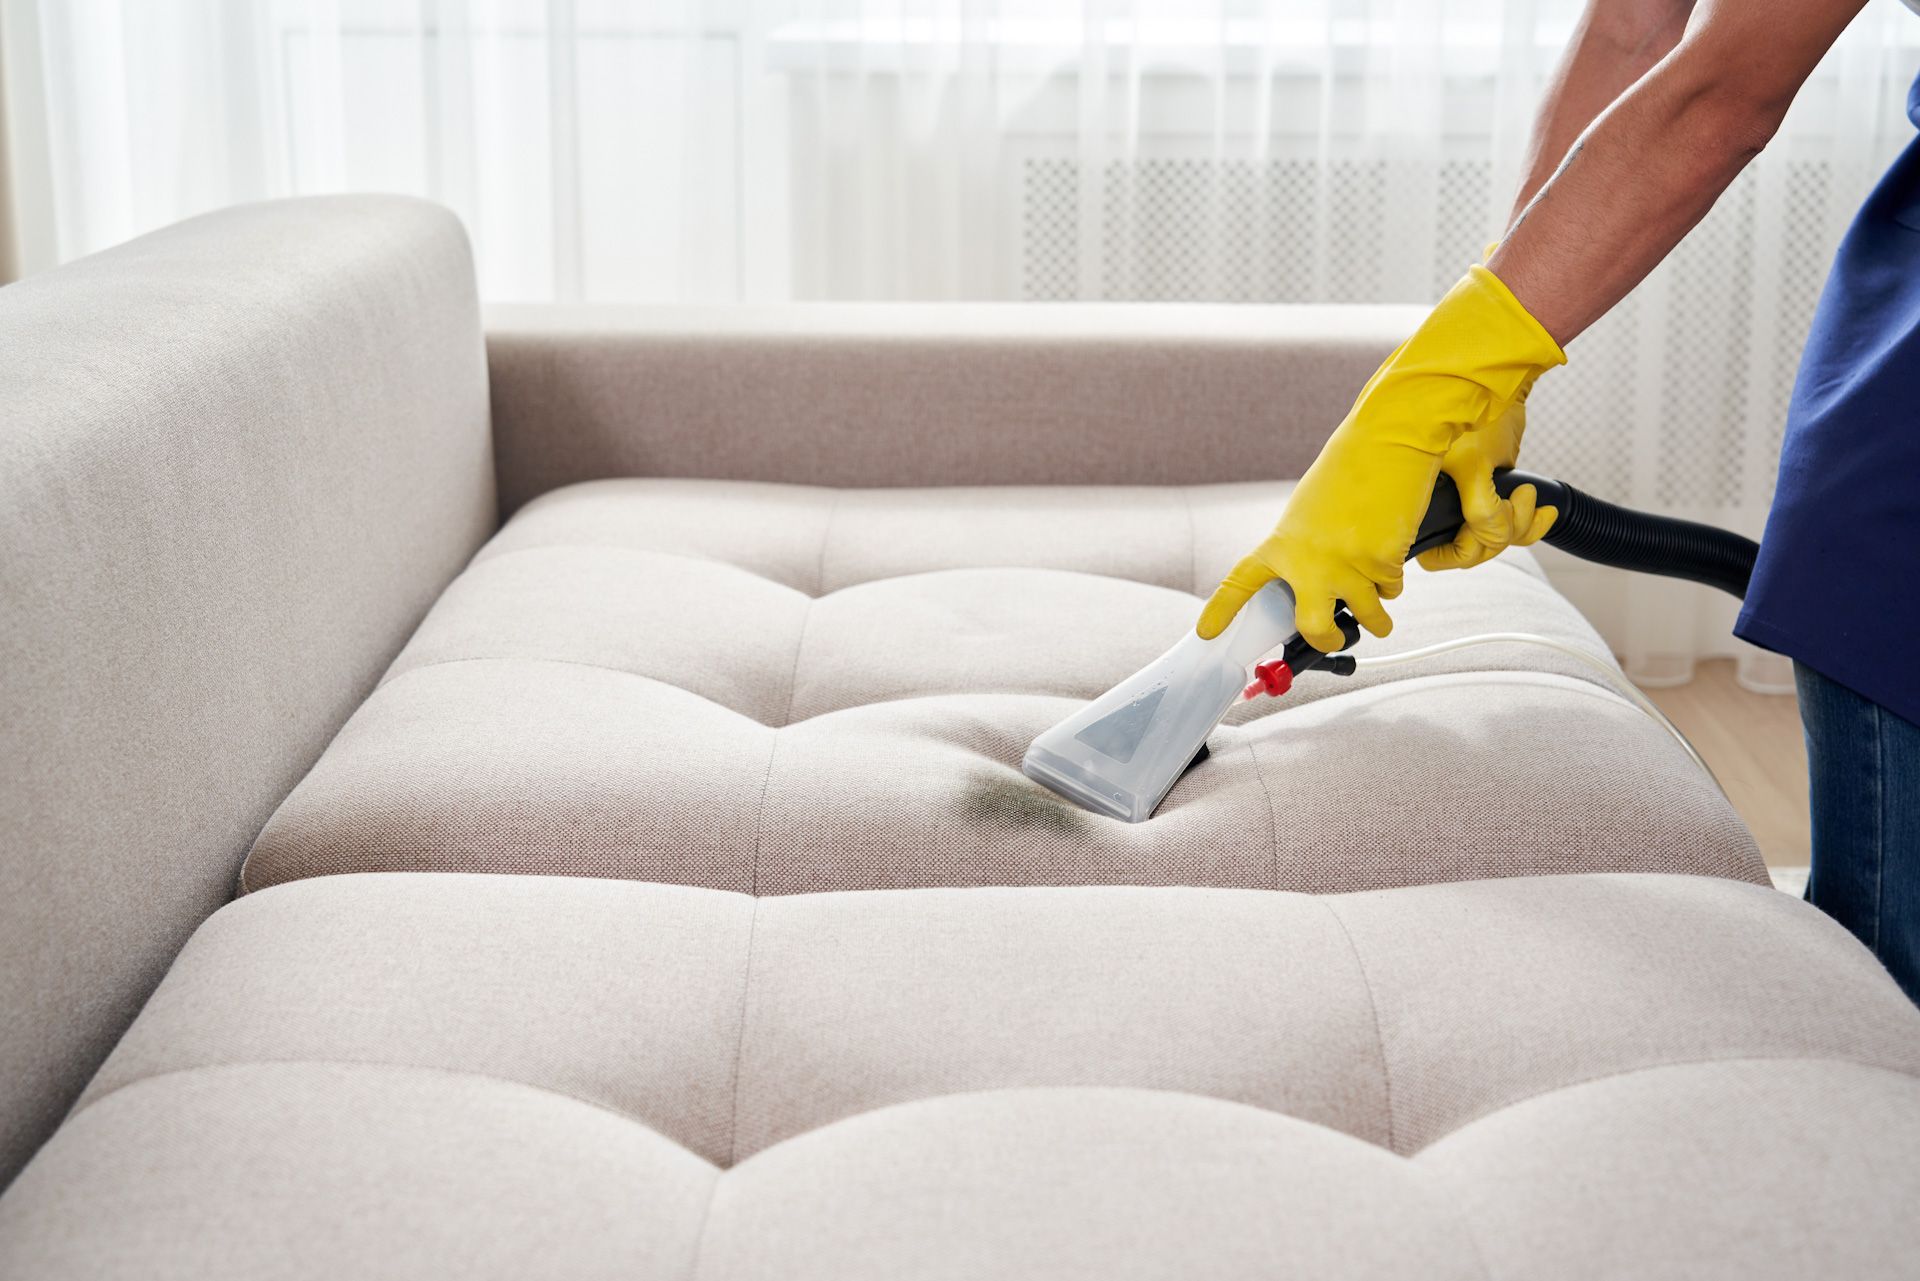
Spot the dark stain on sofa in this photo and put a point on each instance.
(999, 801)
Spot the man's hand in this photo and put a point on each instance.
(1491, 526)
(1342, 537)
(1345, 532)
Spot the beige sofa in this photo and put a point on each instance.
(778, 966)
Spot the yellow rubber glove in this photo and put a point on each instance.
(1346, 529)
(1491, 526)
(1470, 463)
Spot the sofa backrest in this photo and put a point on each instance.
(239, 458)
(884, 394)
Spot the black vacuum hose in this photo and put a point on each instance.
(1596, 530)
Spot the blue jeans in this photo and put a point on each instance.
(1863, 764)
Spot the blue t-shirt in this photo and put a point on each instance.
(1837, 585)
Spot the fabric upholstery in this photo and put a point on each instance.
(239, 459)
(914, 394)
(484, 1076)
(779, 689)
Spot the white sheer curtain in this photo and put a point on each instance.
(1242, 150)
(591, 146)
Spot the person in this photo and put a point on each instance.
(1655, 108)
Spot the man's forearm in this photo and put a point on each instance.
(1653, 163)
(1615, 43)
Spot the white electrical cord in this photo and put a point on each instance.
(1615, 680)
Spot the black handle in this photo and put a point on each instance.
(1596, 530)
(1443, 518)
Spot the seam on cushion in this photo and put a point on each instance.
(1645, 1068)
(630, 550)
(740, 1039)
(793, 673)
(786, 719)
(666, 684)
(799, 648)
(760, 818)
(733, 1109)
(822, 595)
(1373, 1012)
(706, 1219)
(541, 658)
(1273, 830)
(382, 1065)
(851, 586)
(826, 536)
(897, 1105)
(563, 662)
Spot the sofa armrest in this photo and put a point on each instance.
(240, 458)
(924, 394)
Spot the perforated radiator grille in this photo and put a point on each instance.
(1688, 379)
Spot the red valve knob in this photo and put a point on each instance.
(1272, 679)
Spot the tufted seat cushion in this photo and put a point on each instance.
(508, 1077)
(778, 689)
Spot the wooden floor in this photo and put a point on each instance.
(1752, 743)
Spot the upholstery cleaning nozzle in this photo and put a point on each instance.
(1121, 754)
